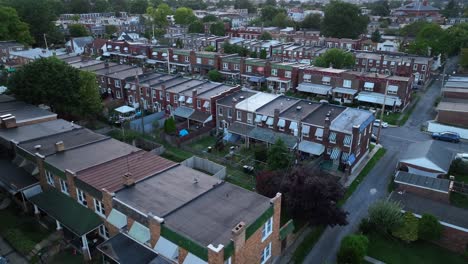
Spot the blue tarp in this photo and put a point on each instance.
(351, 159)
(257, 79)
(183, 132)
(229, 137)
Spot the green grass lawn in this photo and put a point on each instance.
(203, 143)
(393, 251)
(307, 244)
(391, 118)
(68, 257)
(459, 200)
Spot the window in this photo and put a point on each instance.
(176, 97)
(187, 59)
(168, 97)
(369, 86)
(130, 99)
(141, 91)
(415, 67)
(117, 83)
(266, 253)
(328, 151)
(81, 196)
(358, 151)
(103, 232)
(249, 118)
(229, 113)
(50, 178)
(359, 139)
(236, 67)
(210, 62)
(239, 115)
(220, 111)
(108, 81)
(199, 61)
(274, 72)
(198, 104)
(347, 83)
(99, 208)
(64, 187)
(384, 62)
(423, 68)
(287, 74)
(249, 68)
(267, 229)
(118, 94)
(225, 66)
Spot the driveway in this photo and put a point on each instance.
(374, 186)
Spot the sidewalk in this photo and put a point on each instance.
(361, 166)
(10, 254)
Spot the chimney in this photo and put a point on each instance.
(194, 96)
(238, 235)
(276, 118)
(106, 64)
(128, 180)
(59, 146)
(9, 121)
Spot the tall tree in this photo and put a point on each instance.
(336, 58)
(218, 29)
(90, 102)
(308, 195)
(244, 4)
(159, 15)
(279, 156)
(343, 20)
(100, 6)
(263, 54)
(118, 5)
(451, 9)
(78, 30)
(79, 6)
(215, 76)
(311, 21)
(210, 18)
(281, 20)
(265, 36)
(196, 27)
(12, 28)
(138, 6)
(380, 8)
(184, 16)
(376, 37)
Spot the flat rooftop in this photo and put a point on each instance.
(237, 96)
(458, 79)
(300, 110)
(90, 155)
(350, 117)
(38, 130)
(453, 105)
(14, 179)
(71, 139)
(204, 87)
(441, 185)
(210, 218)
(215, 91)
(281, 102)
(86, 63)
(113, 68)
(318, 116)
(97, 67)
(256, 101)
(167, 191)
(456, 84)
(109, 175)
(134, 71)
(24, 112)
(443, 212)
(155, 80)
(189, 84)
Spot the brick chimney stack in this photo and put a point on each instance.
(59, 146)
(128, 180)
(276, 119)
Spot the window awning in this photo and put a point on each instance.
(347, 140)
(75, 217)
(192, 259)
(166, 248)
(257, 79)
(206, 104)
(126, 250)
(15, 179)
(258, 118)
(332, 136)
(314, 88)
(377, 98)
(183, 111)
(307, 76)
(392, 88)
(139, 232)
(189, 100)
(281, 123)
(125, 109)
(293, 125)
(335, 153)
(269, 121)
(369, 85)
(311, 147)
(264, 118)
(345, 91)
(182, 98)
(305, 129)
(326, 79)
(117, 219)
(319, 132)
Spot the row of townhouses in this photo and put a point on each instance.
(112, 199)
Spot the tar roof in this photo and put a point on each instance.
(215, 91)
(204, 87)
(239, 96)
(38, 130)
(90, 155)
(134, 71)
(24, 112)
(459, 105)
(167, 191)
(187, 85)
(456, 84)
(109, 175)
(114, 68)
(156, 80)
(318, 116)
(256, 101)
(97, 67)
(210, 218)
(71, 139)
(82, 64)
(300, 110)
(282, 103)
(13, 178)
(350, 117)
(442, 211)
(441, 185)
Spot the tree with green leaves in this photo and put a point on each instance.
(337, 58)
(429, 228)
(79, 6)
(265, 36)
(209, 18)
(451, 9)
(100, 6)
(118, 5)
(376, 37)
(408, 231)
(196, 27)
(90, 100)
(380, 8)
(430, 40)
(78, 30)
(311, 21)
(111, 29)
(385, 216)
(12, 28)
(138, 6)
(269, 12)
(279, 157)
(263, 54)
(353, 249)
(159, 15)
(464, 58)
(210, 48)
(218, 29)
(270, 3)
(170, 126)
(244, 4)
(253, 54)
(215, 76)
(184, 16)
(343, 20)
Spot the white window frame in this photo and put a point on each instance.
(50, 178)
(81, 197)
(347, 83)
(266, 254)
(415, 67)
(199, 61)
(229, 113)
(274, 72)
(238, 115)
(287, 74)
(64, 187)
(118, 94)
(225, 65)
(168, 97)
(187, 59)
(249, 68)
(267, 229)
(99, 208)
(210, 62)
(117, 83)
(220, 111)
(236, 67)
(423, 67)
(103, 232)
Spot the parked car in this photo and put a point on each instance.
(447, 136)
(462, 156)
(377, 123)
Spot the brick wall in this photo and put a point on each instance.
(452, 118)
(430, 194)
(453, 239)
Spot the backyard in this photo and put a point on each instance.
(391, 250)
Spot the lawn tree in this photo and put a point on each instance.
(159, 15)
(12, 28)
(309, 196)
(343, 20)
(279, 156)
(263, 54)
(311, 21)
(215, 76)
(429, 228)
(184, 16)
(265, 36)
(138, 6)
(385, 216)
(78, 30)
(90, 101)
(376, 37)
(170, 125)
(408, 231)
(218, 29)
(196, 27)
(353, 249)
(337, 58)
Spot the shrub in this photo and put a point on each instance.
(366, 226)
(353, 249)
(260, 153)
(408, 232)
(429, 227)
(385, 216)
(18, 240)
(170, 126)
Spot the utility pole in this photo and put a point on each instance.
(142, 103)
(382, 114)
(45, 40)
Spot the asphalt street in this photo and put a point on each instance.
(374, 186)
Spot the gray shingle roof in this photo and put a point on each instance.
(441, 185)
(431, 150)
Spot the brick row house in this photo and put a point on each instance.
(338, 134)
(134, 206)
(453, 107)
